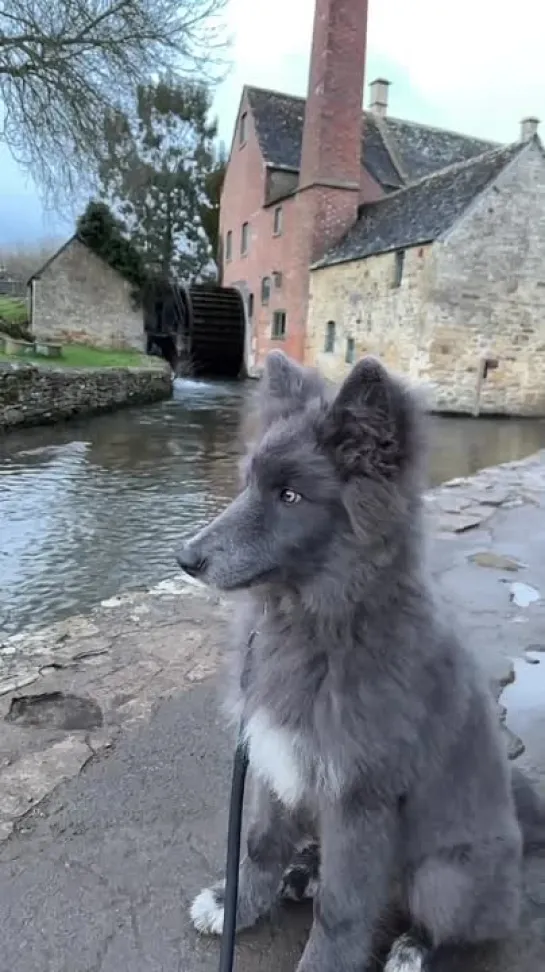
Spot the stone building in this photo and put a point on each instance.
(445, 281)
(77, 298)
(309, 180)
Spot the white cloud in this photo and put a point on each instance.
(475, 65)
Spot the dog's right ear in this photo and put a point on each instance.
(286, 387)
(372, 427)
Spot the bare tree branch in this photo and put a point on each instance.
(64, 64)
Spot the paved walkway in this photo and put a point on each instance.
(97, 877)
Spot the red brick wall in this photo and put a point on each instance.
(242, 201)
(331, 174)
(332, 182)
(333, 115)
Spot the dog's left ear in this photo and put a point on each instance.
(371, 426)
(286, 386)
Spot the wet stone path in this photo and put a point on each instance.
(98, 875)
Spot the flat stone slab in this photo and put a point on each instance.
(106, 670)
(497, 561)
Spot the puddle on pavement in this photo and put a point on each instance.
(55, 710)
(524, 698)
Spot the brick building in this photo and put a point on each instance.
(303, 175)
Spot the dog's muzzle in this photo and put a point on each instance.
(190, 560)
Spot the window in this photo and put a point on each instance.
(265, 290)
(242, 129)
(277, 223)
(277, 277)
(398, 273)
(244, 238)
(350, 354)
(329, 344)
(250, 306)
(229, 245)
(278, 331)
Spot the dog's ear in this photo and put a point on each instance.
(286, 386)
(372, 424)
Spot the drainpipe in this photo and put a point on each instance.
(486, 364)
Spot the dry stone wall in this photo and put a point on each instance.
(31, 395)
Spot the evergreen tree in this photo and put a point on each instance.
(155, 176)
(210, 213)
(104, 234)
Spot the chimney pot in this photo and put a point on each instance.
(379, 96)
(528, 128)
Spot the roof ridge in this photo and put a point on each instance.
(439, 128)
(386, 119)
(448, 169)
(395, 160)
(274, 91)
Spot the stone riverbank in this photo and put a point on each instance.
(67, 691)
(40, 395)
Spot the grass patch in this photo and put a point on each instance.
(13, 310)
(80, 356)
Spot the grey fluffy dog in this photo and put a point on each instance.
(370, 728)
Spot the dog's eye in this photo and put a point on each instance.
(289, 496)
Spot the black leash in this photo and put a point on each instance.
(240, 765)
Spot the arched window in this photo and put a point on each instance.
(329, 344)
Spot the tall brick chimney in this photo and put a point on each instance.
(330, 173)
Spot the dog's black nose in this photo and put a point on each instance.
(190, 560)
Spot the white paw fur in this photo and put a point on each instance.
(206, 914)
(404, 957)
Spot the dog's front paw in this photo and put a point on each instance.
(207, 910)
(301, 879)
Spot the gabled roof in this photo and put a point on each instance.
(278, 122)
(422, 211)
(44, 266)
(395, 152)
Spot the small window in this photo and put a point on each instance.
(398, 272)
(350, 355)
(265, 290)
(277, 277)
(244, 238)
(242, 132)
(278, 220)
(229, 245)
(250, 306)
(329, 344)
(278, 331)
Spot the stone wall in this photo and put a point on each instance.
(79, 299)
(477, 294)
(362, 301)
(31, 395)
(487, 298)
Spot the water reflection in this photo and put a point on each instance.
(96, 505)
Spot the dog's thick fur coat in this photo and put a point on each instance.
(369, 726)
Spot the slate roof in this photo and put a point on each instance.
(278, 120)
(422, 211)
(395, 152)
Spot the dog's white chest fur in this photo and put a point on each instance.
(275, 757)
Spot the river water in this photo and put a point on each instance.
(94, 506)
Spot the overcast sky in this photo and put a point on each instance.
(475, 66)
